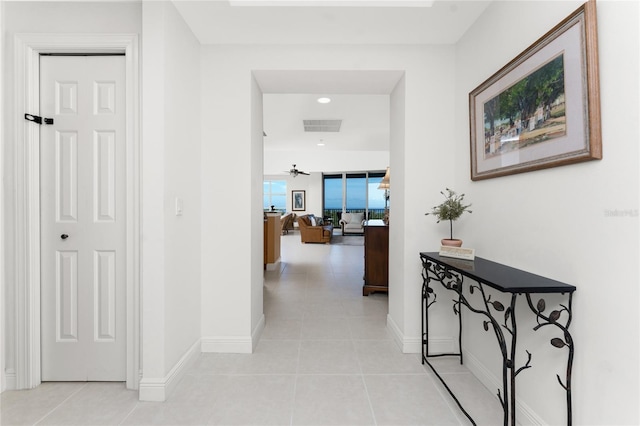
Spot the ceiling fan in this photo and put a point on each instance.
(295, 172)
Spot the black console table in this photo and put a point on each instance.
(451, 274)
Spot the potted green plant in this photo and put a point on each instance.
(451, 209)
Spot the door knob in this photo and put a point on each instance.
(64, 236)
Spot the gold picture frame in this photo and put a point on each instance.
(542, 109)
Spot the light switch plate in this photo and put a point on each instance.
(178, 206)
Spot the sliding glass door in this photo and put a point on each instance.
(375, 198)
(356, 192)
(333, 196)
(353, 192)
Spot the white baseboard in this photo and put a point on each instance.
(227, 345)
(523, 412)
(10, 380)
(273, 266)
(158, 389)
(257, 332)
(526, 416)
(442, 346)
(413, 345)
(234, 344)
(482, 373)
(397, 335)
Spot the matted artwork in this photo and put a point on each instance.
(298, 201)
(543, 108)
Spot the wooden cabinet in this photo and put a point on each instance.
(272, 233)
(376, 257)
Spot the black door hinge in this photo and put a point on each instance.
(37, 119)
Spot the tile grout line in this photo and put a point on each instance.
(130, 412)
(295, 382)
(58, 406)
(366, 391)
(364, 382)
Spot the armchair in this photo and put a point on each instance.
(286, 222)
(310, 233)
(352, 223)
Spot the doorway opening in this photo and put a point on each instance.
(315, 84)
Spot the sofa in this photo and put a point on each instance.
(314, 230)
(352, 223)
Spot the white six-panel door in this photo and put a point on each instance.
(83, 234)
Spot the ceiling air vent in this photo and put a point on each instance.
(322, 125)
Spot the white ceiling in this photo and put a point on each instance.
(363, 82)
(359, 98)
(218, 22)
(365, 122)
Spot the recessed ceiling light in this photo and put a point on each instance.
(320, 144)
(324, 100)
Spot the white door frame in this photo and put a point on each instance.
(27, 50)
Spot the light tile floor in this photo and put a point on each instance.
(325, 358)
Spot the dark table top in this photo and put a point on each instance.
(501, 277)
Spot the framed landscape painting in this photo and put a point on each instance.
(298, 201)
(543, 108)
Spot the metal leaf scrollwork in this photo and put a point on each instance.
(474, 287)
(503, 403)
(507, 315)
(527, 365)
(496, 304)
(554, 319)
(456, 307)
(427, 292)
(561, 384)
(455, 282)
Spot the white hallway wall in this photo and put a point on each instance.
(554, 222)
(3, 247)
(171, 170)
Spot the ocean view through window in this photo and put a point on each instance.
(274, 194)
(353, 192)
